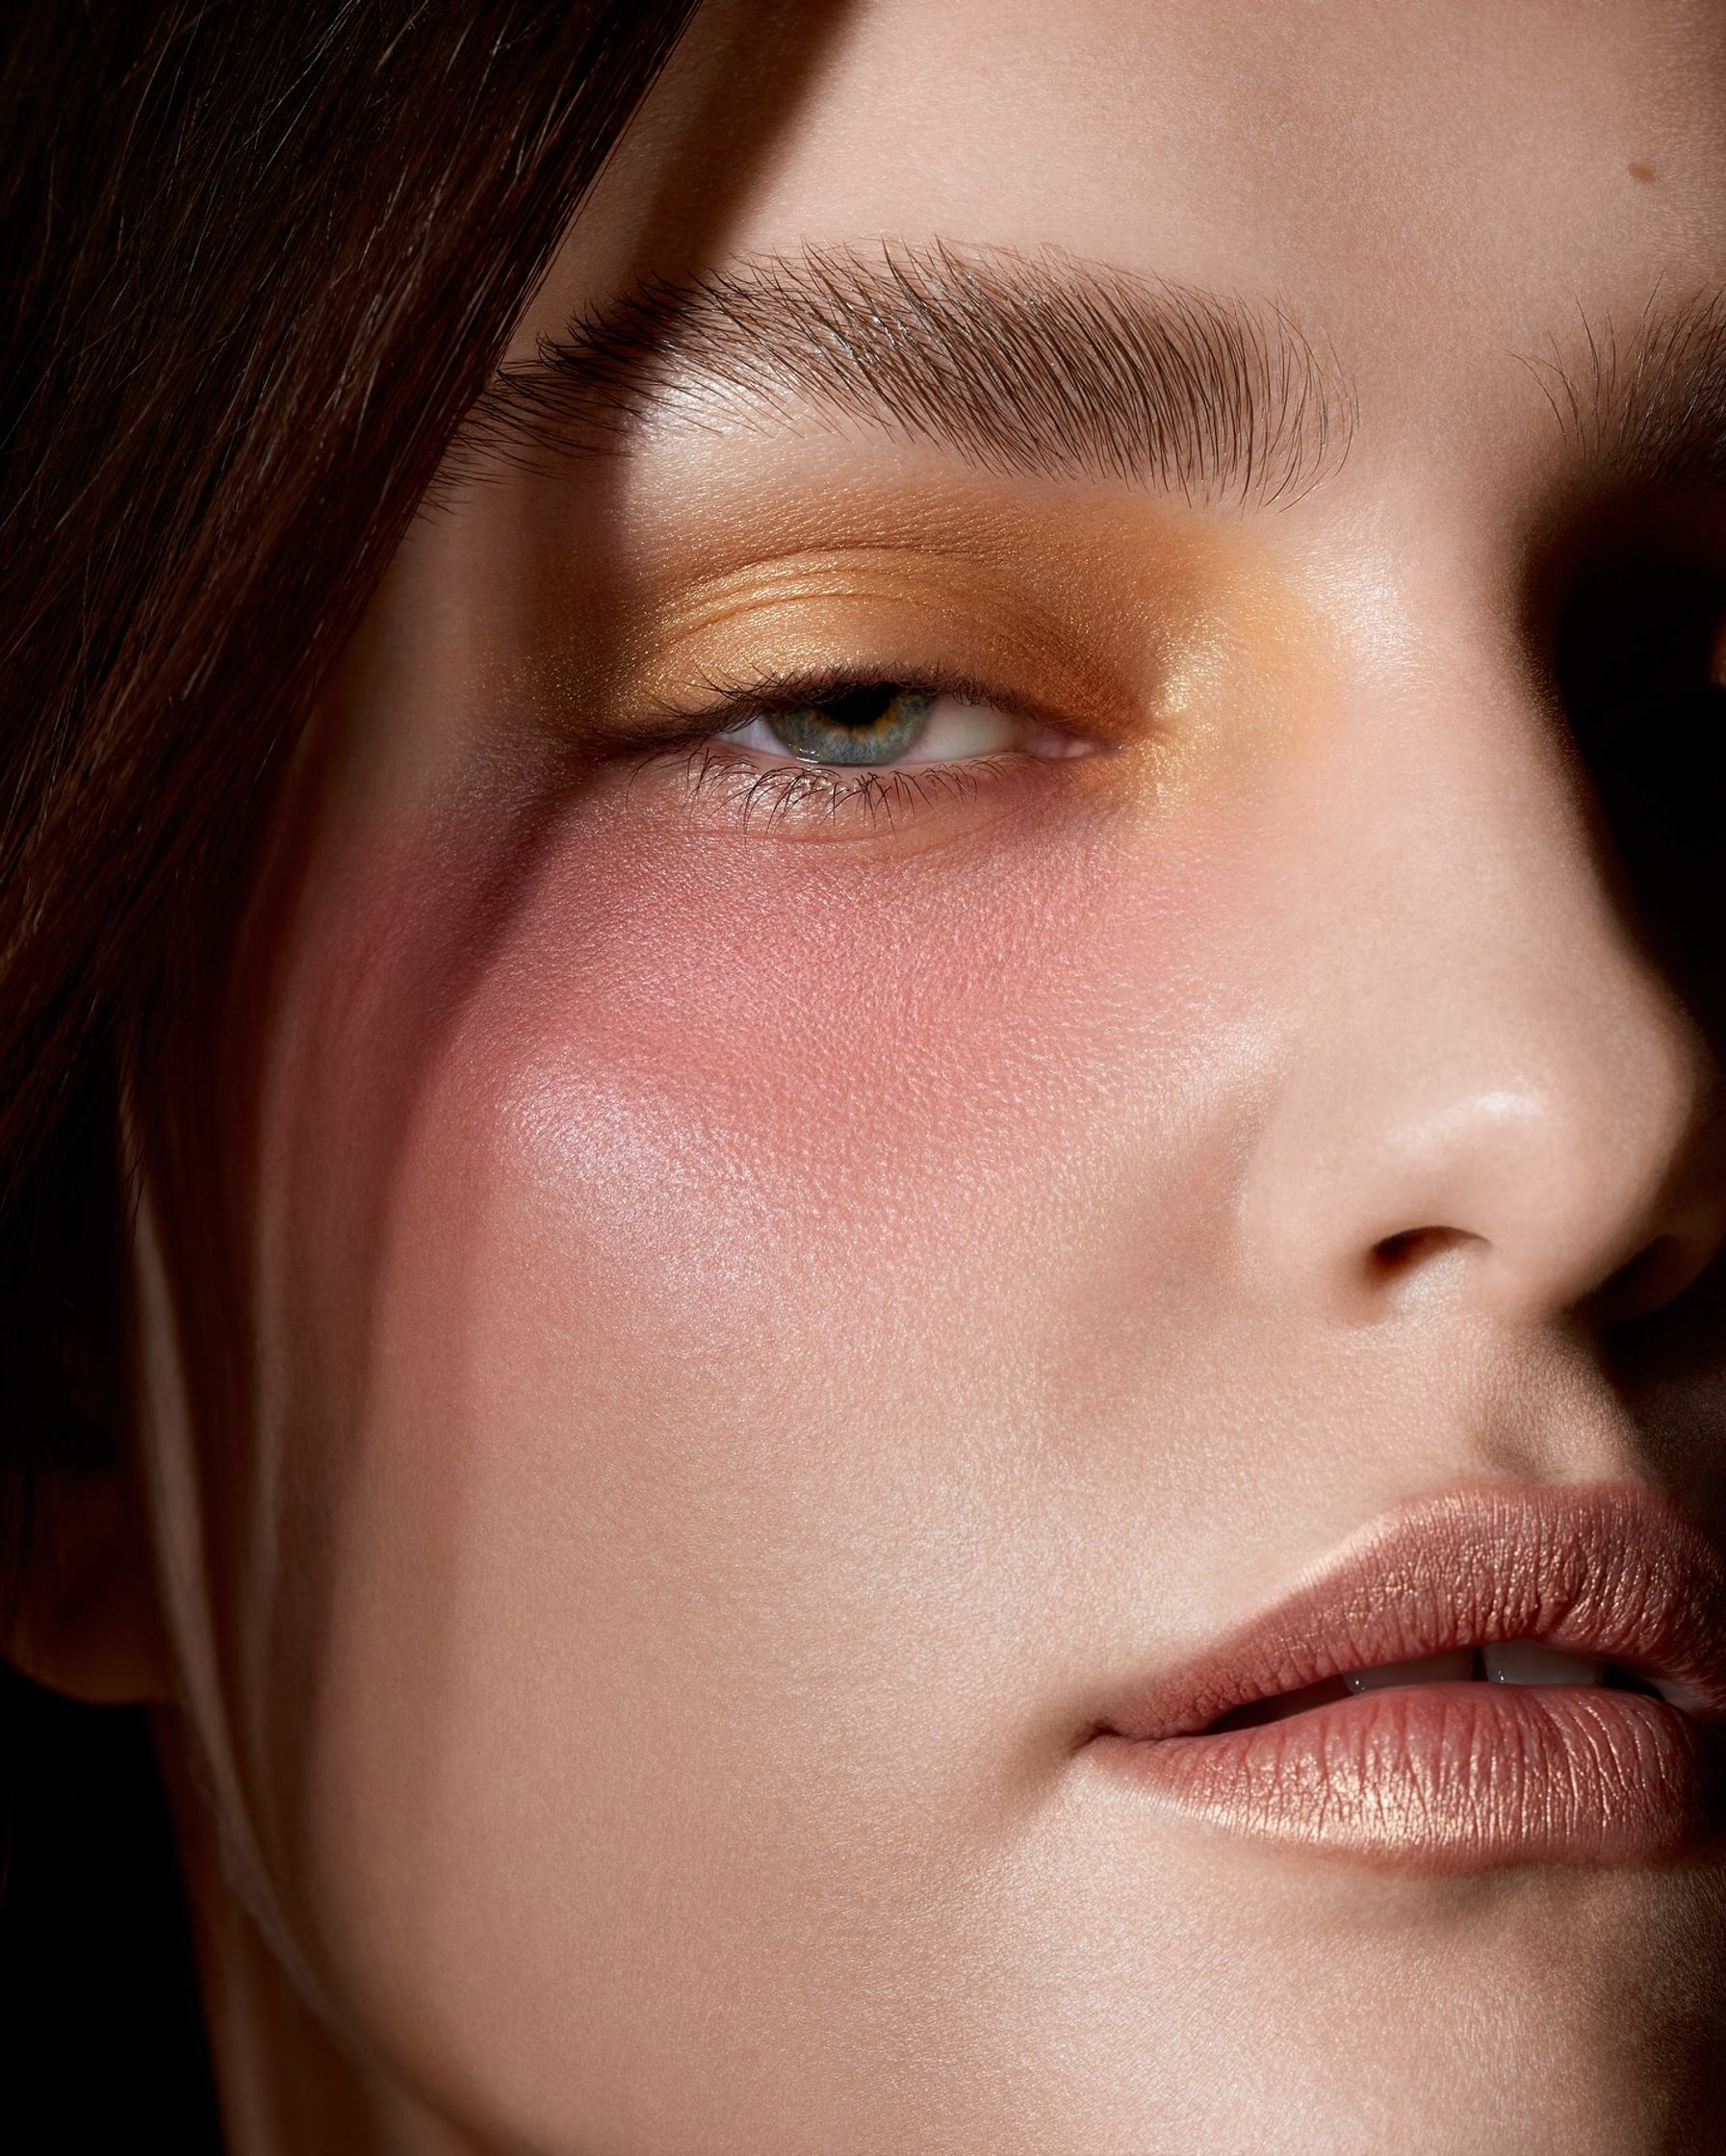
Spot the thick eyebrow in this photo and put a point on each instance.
(1647, 406)
(1031, 364)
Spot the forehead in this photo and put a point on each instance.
(1431, 190)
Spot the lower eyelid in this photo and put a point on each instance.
(794, 800)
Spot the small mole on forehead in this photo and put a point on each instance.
(1639, 171)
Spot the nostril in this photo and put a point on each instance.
(1411, 1248)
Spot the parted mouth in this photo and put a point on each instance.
(1495, 1674)
(1510, 1661)
(1611, 1576)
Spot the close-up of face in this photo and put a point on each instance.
(928, 1348)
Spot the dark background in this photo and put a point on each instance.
(99, 2019)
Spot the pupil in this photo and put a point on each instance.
(866, 705)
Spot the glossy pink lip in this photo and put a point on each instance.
(1459, 1777)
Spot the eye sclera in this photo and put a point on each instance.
(920, 729)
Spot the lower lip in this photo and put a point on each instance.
(1450, 1778)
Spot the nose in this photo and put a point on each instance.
(1487, 1089)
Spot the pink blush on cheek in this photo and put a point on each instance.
(827, 1014)
(751, 1061)
(725, 1048)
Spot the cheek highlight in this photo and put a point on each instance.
(801, 1051)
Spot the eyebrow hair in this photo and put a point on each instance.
(1029, 364)
(1648, 407)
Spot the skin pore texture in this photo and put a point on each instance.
(697, 1322)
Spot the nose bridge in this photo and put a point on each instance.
(1479, 1058)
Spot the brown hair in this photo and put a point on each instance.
(260, 260)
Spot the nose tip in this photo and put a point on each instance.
(1496, 1128)
(1618, 1273)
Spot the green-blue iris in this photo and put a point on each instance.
(874, 723)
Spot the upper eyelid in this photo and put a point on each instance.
(787, 626)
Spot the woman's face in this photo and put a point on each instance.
(763, 1268)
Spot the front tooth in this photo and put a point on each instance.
(1431, 1669)
(1525, 1661)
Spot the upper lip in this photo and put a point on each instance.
(1611, 1571)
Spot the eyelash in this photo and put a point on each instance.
(837, 796)
(871, 800)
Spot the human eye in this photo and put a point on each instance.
(891, 725)
(840, 755)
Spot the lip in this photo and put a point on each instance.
(1463, 1777)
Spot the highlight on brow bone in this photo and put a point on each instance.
(1018, 363)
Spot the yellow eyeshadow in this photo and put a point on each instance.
(883, 617)
(1111, 617)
